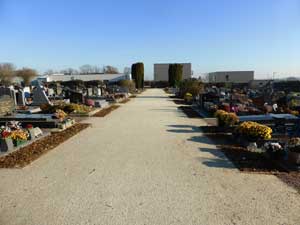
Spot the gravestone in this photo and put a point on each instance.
(51, 92)
(7, 105)
(59, 90)
(76, 97)
(40, 97)
(9, 92)
(90, 91)
(21, 98)
(98, 91)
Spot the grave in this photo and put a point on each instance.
(7, 105)
(39, 96)
(9, 92)
(101, 103)
(21, 100)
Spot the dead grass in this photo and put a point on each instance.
(106, 111)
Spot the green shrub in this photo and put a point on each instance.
(193, 86)
(225, 118)
(129, 84)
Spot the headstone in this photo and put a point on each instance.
(58, 90)
(21, 98)
(50, 92)
(98, 91)
(90, 91)
(39, 97)
(7, 105)
(10, 92)
(76, 97)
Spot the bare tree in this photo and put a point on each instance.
(69, 71)
(49, 72)
(6, 73)
(110, 70)
(27, 74)
(86, 69)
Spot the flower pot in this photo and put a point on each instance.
(19, 142)
(294, 157)
(6, 144)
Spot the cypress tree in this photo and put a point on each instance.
(133, 72)
(137, 74)
(171, 75)
(178, 70)
(175, 74)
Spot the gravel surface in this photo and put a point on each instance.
(145, 163)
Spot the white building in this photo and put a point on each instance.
(85, 77)
(231, 77)
(161, 71)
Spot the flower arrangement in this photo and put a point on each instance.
(225, 118)
(19, 135)
(253, 130)
(60, 114)
(29, 126)
(294, 144)
(5, 133)
(188, 97)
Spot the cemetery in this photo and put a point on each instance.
(258, 132)
(32, 118)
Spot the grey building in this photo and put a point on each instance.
(161, 71)
(231, 77)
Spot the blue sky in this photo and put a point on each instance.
(263, 35)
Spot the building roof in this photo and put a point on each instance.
(85, 77)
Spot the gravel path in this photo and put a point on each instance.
(145, 163)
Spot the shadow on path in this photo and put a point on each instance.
(219, 160)
(184, 129)
(151, 97)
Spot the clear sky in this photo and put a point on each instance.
(260, 35)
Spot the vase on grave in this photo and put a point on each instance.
(6, 144)
(18, 142)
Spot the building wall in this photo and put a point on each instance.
(231, 77)
(161, 71)
(87, 77)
